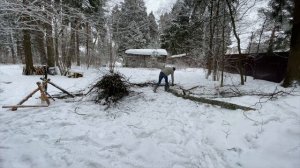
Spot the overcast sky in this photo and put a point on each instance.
(157, 6)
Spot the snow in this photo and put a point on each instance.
(178, 56)
(147, 129)
(152, 52)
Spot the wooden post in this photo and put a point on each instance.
(45, 77)
(43, 94)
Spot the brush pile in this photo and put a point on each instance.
(111, 88)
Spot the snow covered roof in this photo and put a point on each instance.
(153, 52)
(177, 56)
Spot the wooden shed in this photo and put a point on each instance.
(265, 66)
(147, 58)
(271, 67)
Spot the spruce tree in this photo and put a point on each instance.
(153, 31)
(176, 37)
(279, 16)
(133, 26)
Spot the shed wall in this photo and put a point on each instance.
(144, 61)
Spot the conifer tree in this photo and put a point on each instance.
(133, 26)
(279, 17)
(153, 31)
(176, 37)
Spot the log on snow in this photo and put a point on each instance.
(222, 104)
(24, 106)
(63, 90)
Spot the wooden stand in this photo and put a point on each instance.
(42, 88)
(43, 98)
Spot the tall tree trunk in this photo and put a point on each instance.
(12, 47)
(27, 46)
(77, 49)
(293, 69)
(39, 38)
(239, 64)
(72, 47)
(223, 44)
(111, 64)
(250, 43)
(211, 36)
(216, 55)
(20, 48)
(87, 45)
(28, 53)
(271, 41)
(56, 44)
(41, 46)
(50, 51)
(1, 56)
(93, 48)
(64, 51)
(260, 35)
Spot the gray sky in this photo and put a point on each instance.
(159, 6)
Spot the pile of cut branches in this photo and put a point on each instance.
(111, 88)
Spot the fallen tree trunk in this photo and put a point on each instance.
(143, 84)
(64, 96)
(24, 106)
(222, 104)
(63, 90)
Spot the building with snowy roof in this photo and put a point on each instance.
(148, 58)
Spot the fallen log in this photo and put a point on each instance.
(63, 90)
(222, 104)
(143, 84)
(24, 106)
(64, 96)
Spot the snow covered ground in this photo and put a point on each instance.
(146, 129)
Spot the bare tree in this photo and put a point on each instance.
(240, 66)
(47, 31)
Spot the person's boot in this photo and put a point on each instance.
(166, 88)
(155, 88)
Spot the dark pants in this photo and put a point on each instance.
(161, 76)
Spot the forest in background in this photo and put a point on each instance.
(63, 33)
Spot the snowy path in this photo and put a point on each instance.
(145, 130)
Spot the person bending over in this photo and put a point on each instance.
(164, 73)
